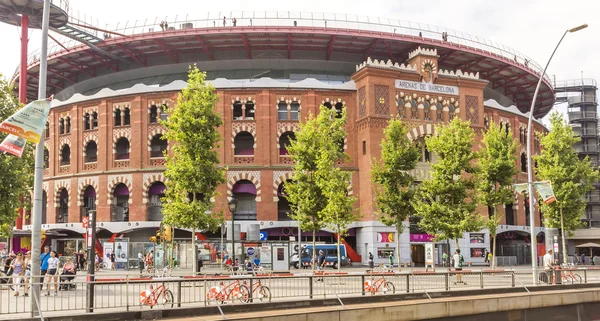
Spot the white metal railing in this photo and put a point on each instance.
(588, 82)
(335, 21)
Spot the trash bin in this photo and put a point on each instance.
(557, 276)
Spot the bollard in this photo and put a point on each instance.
(408, 283)
(362, 279)
(447, 280)
(585, 276)
(127, 291)
(481, 279)
(179, 294)
(310, 286)
(512, 276)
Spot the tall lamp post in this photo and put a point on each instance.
(529, 159)
(232, 207)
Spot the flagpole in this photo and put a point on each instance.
(39, 161)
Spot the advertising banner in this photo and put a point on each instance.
(121, 251)
(385, 237)
(429, 254)
(545, 190)
(13, 145)
(520, 188)
(29, 121)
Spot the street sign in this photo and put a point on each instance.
(84, 222)
(250, 251)
(263, 236)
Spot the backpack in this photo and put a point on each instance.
(461, 260)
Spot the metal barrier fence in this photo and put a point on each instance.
(130, 293)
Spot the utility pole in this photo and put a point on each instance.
(91, 244)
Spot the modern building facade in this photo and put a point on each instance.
(104, 150)
(582, 100)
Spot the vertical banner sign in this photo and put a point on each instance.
(429, 254)
(29, 122)
(13, 145)
(520, 188)
(545, 190)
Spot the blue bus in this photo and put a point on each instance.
(330, 251)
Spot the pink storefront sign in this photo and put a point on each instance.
(421, 238)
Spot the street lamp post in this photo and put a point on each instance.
(529, 159)
(232, 207)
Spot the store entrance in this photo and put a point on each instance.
(418, 254)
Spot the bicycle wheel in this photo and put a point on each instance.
(264, 293)
(576, 278)
(168, 299)
(389, 288)
(104, 266)
(244, 295)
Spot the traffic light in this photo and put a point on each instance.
(153, 239)
(167, 233)
(43, 234)
(158, 237)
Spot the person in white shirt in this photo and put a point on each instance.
(548, 264)
(53, 266)
(458, 264)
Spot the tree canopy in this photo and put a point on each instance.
(192, 172)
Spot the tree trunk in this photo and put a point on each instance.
(562, 235)
(398, 231)
(493, 261)
(494, 252)
(314, 249)
(194, 251)
(339, 245)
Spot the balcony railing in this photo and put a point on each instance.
(372, 26)
(576, 115)
(578, 99)
(421, 172)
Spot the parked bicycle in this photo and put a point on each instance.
(232, 291)
(155, 295)
(259, 291)
(568, 276)
(379, 285)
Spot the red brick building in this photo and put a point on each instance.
(104, 150)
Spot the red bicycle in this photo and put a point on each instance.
(379, 285)
(233, 291)
(155, 295)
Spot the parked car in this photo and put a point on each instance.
(295, 260)
(330, 251)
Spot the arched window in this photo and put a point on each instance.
(122, 148)
(414, 110)
(62, 212)
(117, 117)
(47, 129)
(282, 112)
(153, 114)
(89, 201)
(164, 112)
(509, 213)
(339, 108)
(158, 146)
(91, 152)
(120, 209)
(65, 154)
(245, 193)
(523, 162)
(46, 158)
(61, 126)
(244, 144)
(439, 110)
(521, 140)
(451, 112)
(86, 122)
(341, 145)
(249, 110)
(284, 142)
(508, 129)
(238, 113)
(68, 125)
(94, 120)
(155, 193)
(283, 205)
(127, 117)
(294, 110)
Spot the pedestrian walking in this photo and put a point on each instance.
(321, 263)
(113, 266)
(490, 256)
(445, 259)
(582, 258)
(485, 256)
(459, 260)
(371, 261)
(234, 21)
(224, 21)
(18, 267)
(548, 267)
(391, 259)
(52, 274)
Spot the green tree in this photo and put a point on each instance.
(192, 173)
(497, 161)
(318, 190)
(394, 185)
(17, 173)
(447, 202)
(570, 176)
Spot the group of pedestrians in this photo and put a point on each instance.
(19, 267)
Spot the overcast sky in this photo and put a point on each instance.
(530, 26)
